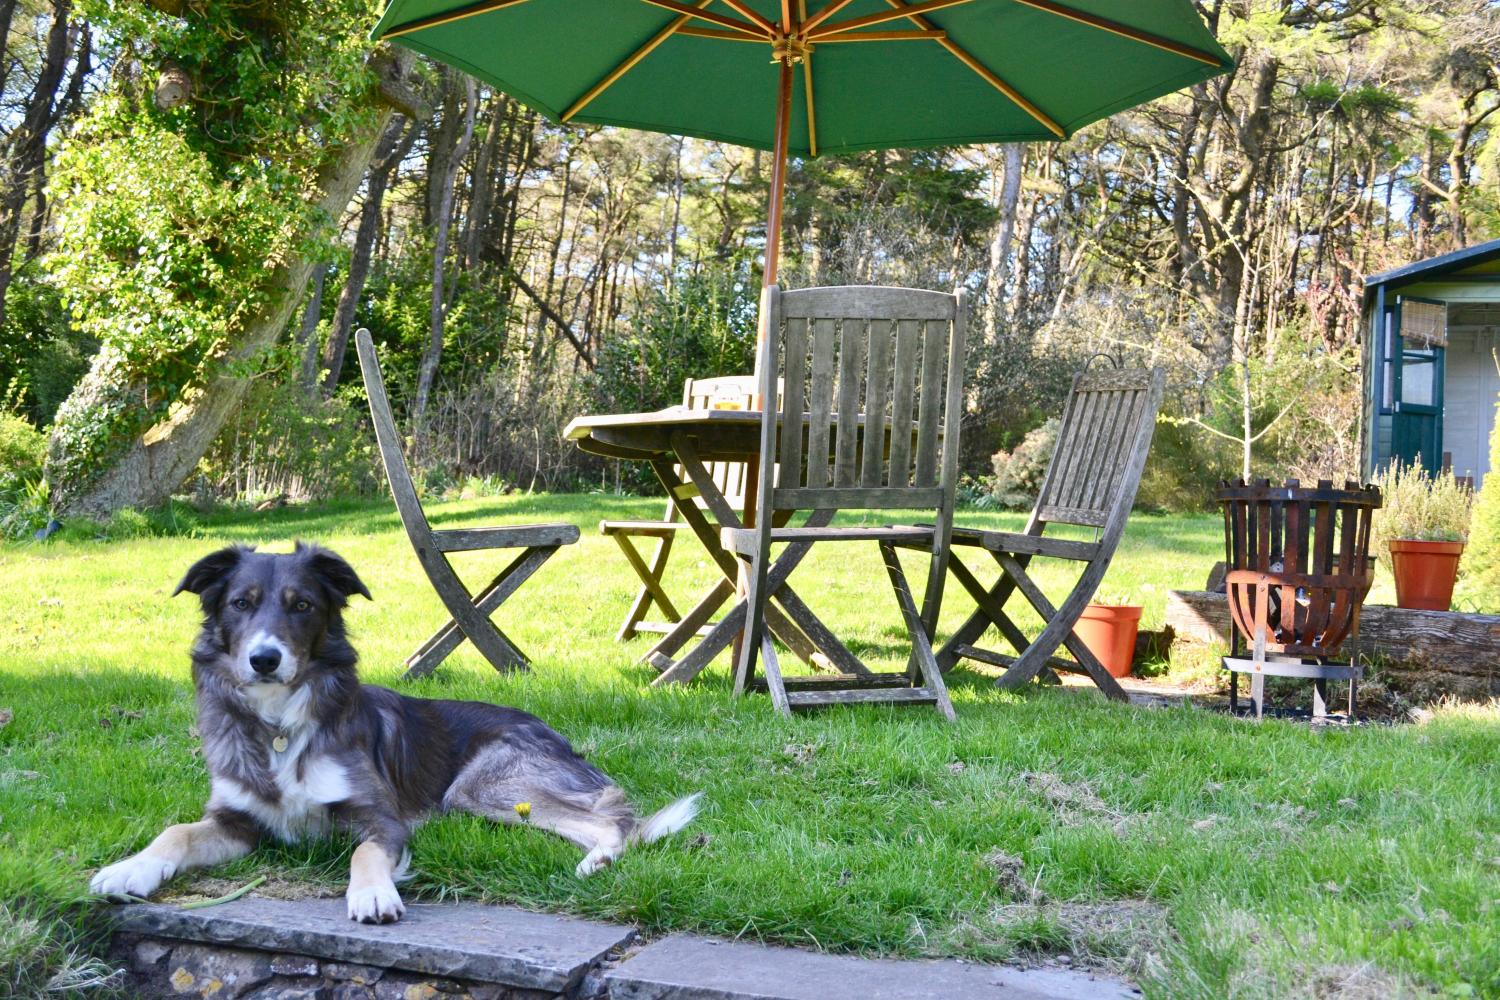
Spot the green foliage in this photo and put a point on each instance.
(22, 449)
(25, 507)
(42, 355)
(1183, 468)
(1018, 473)
(287, 442)
(700, 326)
(172, 220)
(1419, 506)
(1481, 562)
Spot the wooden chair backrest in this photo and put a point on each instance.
(737, 392)
(397, 473)
(1101, 448)
(884, 357)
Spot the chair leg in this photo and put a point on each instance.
(925, 662)
(989, 609)
(688, 627)
(651, 588)
(446, 639)
(755, 623)
(471, 615)
(1058, 631)
(775, 686)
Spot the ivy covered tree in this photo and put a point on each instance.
(195, 199)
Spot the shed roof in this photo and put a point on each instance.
(1482, 259)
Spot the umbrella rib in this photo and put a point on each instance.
(807, 87)
(928, 34)
(703, 15)
(880, 17)
(447, 17)
(728, 34)
(745, 10)
(613, 75)
(834, 6)
(988, 75)
(1123, 30)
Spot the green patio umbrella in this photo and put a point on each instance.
(833, 76)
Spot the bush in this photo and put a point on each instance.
(702, 326)
(285, 443)
(1183, 469)
(1018, 473)
(1481, 562)
(23, 448)
(1421, 507)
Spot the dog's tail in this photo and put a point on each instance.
(667, 820)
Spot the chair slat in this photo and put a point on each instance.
(1126, 405)
(794, 385)
(905, 380)
(1091, 450)
(820, 411)
(851, 370)
(1071, 444)
(877, 392)
(930, 402)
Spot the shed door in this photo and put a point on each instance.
(1421, 335)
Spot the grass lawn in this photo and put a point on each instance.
(1204, 856)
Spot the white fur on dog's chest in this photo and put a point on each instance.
(305, 791)
(302, 806)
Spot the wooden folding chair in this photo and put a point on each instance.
(1091, 480)
(863, 369)
(737, 391)
(471, 612)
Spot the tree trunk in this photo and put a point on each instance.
(26, 151)
(427, 371)
(307, 333)
(154, 465)
(388, 156)
(1010, 196)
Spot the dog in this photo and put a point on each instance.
(296, 745)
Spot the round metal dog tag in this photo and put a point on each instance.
(279, 744)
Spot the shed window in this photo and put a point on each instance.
(1387, 361)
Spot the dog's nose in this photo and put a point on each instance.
(265, 660)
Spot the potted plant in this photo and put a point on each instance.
(1108, 628)
(1422, 527)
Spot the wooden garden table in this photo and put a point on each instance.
(679, 438)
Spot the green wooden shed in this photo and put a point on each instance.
(1432, 362)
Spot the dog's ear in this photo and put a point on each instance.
(212, 569)
(334, 573)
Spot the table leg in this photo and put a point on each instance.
(783, 627)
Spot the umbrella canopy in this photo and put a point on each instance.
(805, 77)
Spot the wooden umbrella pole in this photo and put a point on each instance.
(778, 171)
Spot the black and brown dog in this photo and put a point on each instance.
(296, 745)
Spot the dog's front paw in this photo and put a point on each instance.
(375, 904)
(139, 875)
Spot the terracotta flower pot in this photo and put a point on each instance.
(1425, 573)
(1109, 630)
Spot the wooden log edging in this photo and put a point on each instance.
(1437, 652)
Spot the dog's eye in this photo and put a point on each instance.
(302, 606)
(239, 604)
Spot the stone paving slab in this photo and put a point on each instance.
(490, 943)
(683, 967)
